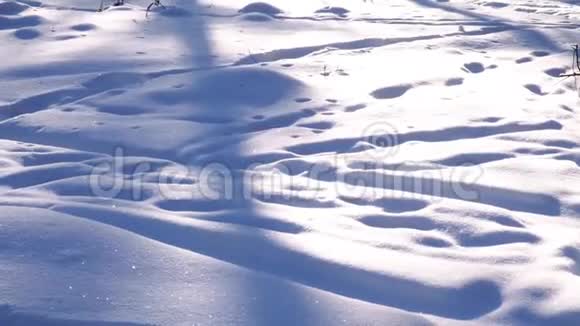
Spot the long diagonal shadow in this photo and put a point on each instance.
(214, 94)
(531, 36)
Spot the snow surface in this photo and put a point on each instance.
(348, 162)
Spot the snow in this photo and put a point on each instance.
(348, 162)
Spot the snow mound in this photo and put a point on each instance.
(108, 81)
(256, 17)
(261, 7)
(244, 86)
(339, 11)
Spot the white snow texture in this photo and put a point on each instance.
(320, 162)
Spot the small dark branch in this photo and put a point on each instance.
(576, 74)
(115, 4)
(577, 56)
(575, 62)
(156, 3)
(251, 55)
